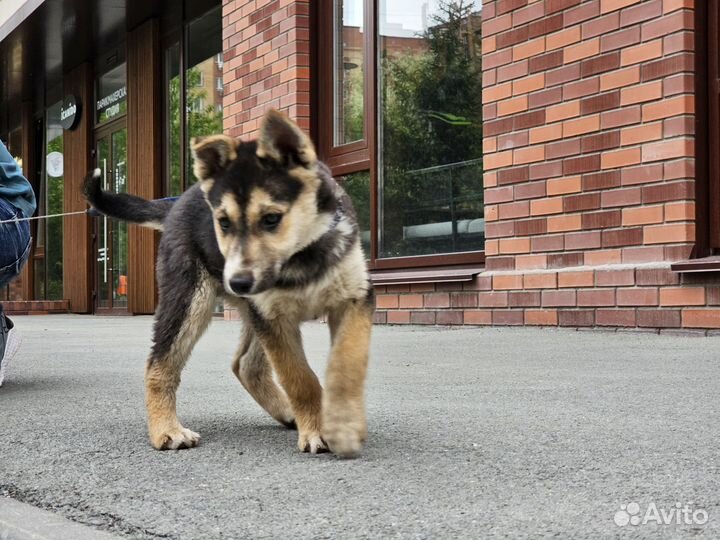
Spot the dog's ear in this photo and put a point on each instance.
(212, 154)
(282, 140)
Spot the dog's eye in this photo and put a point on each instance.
(224, 224)
(270, 221)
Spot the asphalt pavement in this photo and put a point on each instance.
(474, 433)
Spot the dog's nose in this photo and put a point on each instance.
(241, 284)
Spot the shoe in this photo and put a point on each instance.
(9, 343)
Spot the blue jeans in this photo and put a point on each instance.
(14, 243)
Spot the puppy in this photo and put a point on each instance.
(269, 231)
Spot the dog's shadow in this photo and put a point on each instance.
(248, 434)
(231, 431)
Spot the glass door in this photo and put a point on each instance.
(111, 236)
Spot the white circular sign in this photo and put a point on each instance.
(55, 164)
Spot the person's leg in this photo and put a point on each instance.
(14, 251)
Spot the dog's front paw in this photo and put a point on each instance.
(345, 439)
(174, 438)
(344, 427)
(311, 442)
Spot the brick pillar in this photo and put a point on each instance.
(267, 62)
(589, 155)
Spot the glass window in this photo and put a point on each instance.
(111, 94)
(348, 71)
(173, 119)
(199, 57)
(52, 236)
(357, 186)
(104, 227)
(204, 98)
(430, 128)
(120, 228)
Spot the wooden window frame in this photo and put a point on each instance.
(354, 156)
(362, 155)
(707, 92)
(713, 121)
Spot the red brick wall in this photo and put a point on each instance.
(589, 147)
(267, 62)
(589, 157)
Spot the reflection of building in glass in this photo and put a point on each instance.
(204, 95)
(353, 44)
(206, 89)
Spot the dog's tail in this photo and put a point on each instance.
(125, 206)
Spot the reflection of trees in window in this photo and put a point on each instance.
(174, 145)
(432, 139)
(349, 75)
(201, 120)
(54, 231)
(353, 105)
(357, 186)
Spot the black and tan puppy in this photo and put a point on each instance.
(268, 230)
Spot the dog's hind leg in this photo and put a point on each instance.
(254, 372)
(343, 410)
(183, 315)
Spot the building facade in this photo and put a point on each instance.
(122, 87)
(513, 162)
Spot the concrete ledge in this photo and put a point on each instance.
(20, 521)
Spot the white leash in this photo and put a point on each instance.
(17, 220)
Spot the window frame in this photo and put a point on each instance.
(707, 92)
(354, 156)
(713, 121)
(362, 155)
